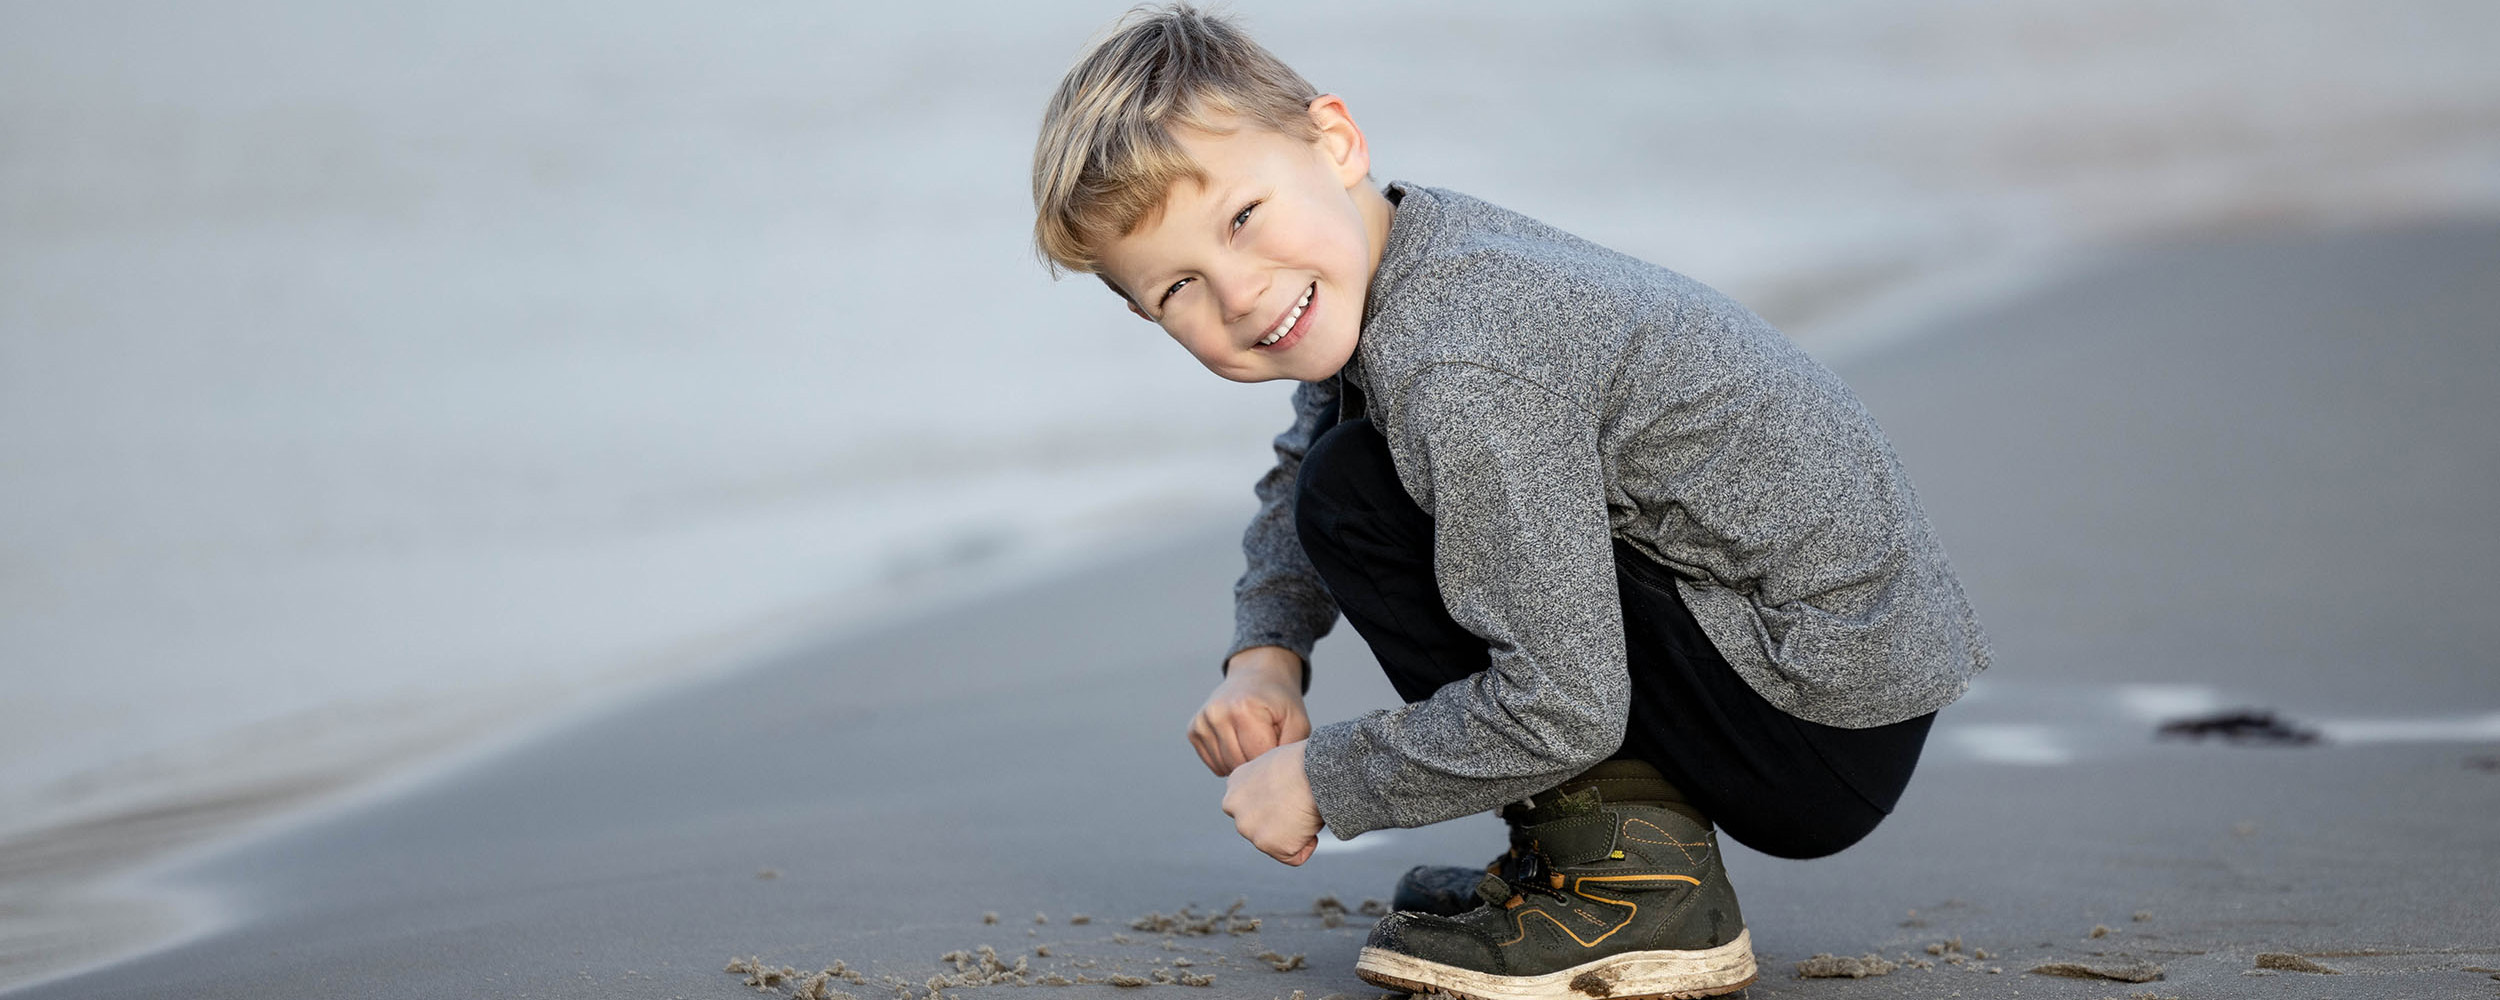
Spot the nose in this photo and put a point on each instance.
(1240, 295)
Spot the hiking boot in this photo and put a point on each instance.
(1613, 888)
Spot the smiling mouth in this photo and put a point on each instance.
(1286, 324)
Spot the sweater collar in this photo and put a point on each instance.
(1415, 215)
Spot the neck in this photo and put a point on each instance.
(1376, 212)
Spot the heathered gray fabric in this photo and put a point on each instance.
(1541, 395)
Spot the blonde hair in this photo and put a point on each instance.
(1107, 155)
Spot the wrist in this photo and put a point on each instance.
(1274, 664)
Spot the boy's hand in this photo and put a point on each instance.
(1257, 708)
(1270, 802)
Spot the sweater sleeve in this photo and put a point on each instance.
(1523, 551)
(1280, 600)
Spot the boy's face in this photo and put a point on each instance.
(1261, 272)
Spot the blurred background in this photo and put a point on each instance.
(376, 379)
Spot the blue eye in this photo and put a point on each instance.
(1243, 219)
(1169, 292)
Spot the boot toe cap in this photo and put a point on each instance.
(1437, 939)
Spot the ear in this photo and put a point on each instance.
(1340, 141)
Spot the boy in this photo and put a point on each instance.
(1635, 563)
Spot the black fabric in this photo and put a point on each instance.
(1774, 782)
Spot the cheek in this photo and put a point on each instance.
(1207, 348)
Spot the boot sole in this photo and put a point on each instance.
(1633, 975)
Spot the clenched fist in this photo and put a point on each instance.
(1257, 708)
(1269, 799)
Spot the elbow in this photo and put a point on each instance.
(1584, 741)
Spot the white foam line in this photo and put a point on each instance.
(2011, 743)
(2454, 729)
(1329, 844)
(2163, 702)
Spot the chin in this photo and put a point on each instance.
(1330, 357)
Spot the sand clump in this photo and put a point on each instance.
(1281, 963)
(808, 986)
(981, 967)
(1187, 922)
(2136, 971)
(2283, 961)
(1950, 950)
(1843, 967)
(759, 975)
(819, 986)
(1332, 912)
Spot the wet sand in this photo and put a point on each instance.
(2256, 471)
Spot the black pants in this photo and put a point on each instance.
(1779, 784)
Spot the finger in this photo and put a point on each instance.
(1202, 736)
(1270, 719)
(1257, 736)
(1198, 741)
(1271, 849)
(1290, 852)
(1228, 747)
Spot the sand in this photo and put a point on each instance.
(1840, 967)
(2129, 971)
(2287, 962)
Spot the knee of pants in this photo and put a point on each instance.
(1803, 839)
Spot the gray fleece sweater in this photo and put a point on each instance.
(1542, 395)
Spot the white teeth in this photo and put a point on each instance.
(1286, 324)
